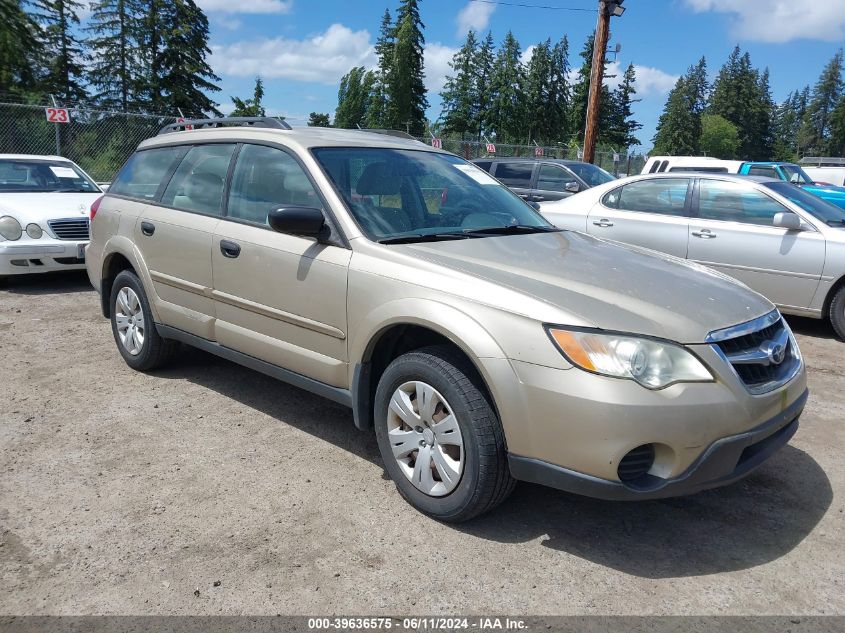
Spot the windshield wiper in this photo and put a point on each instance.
(512, 229)
(424, 237)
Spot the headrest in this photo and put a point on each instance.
(378, 179)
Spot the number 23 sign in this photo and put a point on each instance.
(57, 115)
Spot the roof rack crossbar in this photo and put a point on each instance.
(248, 121)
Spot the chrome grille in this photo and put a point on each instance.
(762, 352)
(70, 229)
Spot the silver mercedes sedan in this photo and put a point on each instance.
(778, 239)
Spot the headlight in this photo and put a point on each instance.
(653, 364)
(10, 228)
(34, 231)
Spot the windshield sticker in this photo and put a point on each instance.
(63, 172)
(477, 174)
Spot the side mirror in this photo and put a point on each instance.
(572, 187)
(293, 220)
(536, 205)
(789, 221)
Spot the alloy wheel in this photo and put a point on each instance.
(129, 319)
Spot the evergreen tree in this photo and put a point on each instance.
(116, 68)
(558, 105)
(741, 95)
(406, 89)
(377, 111)
(460, 100)
(353, 98)
(483, 83)
(64, 76)
(506, 115)
(155, 22)
(679, 127)
(581, 95)
(836, 144)
(250, 107)
(827, 93)
(186, 75)
(21, 50)
(538, 76)
(623, 127)
(317, 119)
(786, 125)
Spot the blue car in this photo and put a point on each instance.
(791, 172)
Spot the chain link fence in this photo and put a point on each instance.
(619, 164)
(99, 141)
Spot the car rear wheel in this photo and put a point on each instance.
(132, 325)
(439, 436)
(837, 313)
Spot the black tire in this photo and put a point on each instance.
(837, 313)
(156, 351)
(486, 480)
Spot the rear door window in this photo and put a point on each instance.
(198, 183)
(515, 174)
(666, 196)
(145, 171)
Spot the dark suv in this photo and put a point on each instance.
(544, 179)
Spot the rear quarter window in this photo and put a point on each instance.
(143, 173)
(515, 174)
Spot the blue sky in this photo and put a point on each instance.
(302, 47)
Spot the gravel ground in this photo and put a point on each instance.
(208, 488)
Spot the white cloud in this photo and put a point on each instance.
(526, 54)
(475, 16)
(780, 21)
(437, 58)
(323, 58)
(650, 81)
(246, 6)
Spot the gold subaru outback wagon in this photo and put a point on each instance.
(480, 343)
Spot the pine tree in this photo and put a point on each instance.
(836, 143)
(557, 110)
(116, 68)
(406, 88)
(353, 98)
(507, 107)
(460, 99)
(786, 124)
(186, 75)
(741, 95)
(377, 110)
(250, 107)
(537, 79)
(59, 20)
(679, 127)
(317, 119)
(21, 50)
(827, 93)
(155, 22)
(483, 83)
(623, 127)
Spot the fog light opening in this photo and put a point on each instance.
(636, 464)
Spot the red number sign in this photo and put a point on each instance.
(182, 120)
(491, 148)
(57, 115)
(437, 142)
(538, 151)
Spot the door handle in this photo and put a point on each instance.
(524, 196)
(148, 228)
(705, 234)
(539, 198)
(230, 249)
(604, 222)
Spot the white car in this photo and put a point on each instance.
(44, 207)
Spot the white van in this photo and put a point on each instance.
(660, 164)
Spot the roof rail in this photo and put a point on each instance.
(396, 133)
(247, 121)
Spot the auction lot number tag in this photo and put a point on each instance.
(57, 115)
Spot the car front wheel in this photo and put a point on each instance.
(132, 325)
(439, 436)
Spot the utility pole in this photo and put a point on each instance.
(591, 129)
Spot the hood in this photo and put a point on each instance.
(40, 207)
(608, 285)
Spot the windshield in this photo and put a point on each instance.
(818, 208)
(589, 173)
(796, 175)
(410, 195)
(38, 176)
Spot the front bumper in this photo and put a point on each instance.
(23, 257)
(726, 460)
